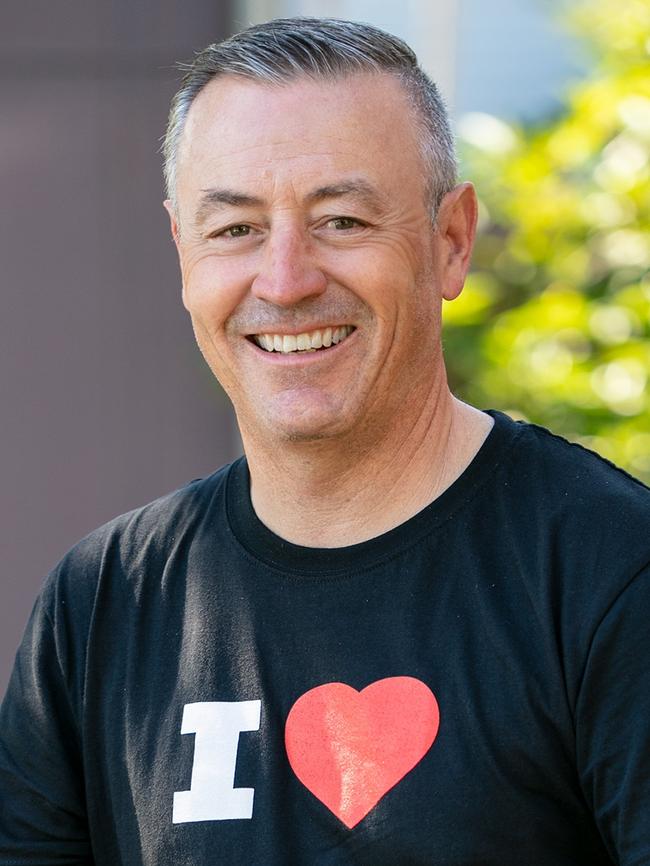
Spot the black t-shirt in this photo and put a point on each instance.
(472, 687)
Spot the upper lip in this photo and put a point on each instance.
(294, 331)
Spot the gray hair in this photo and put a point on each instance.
(320, 48)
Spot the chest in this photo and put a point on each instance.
(338, 724)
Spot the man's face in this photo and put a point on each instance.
(311, 270)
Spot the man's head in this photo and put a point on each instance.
(283, 50)
(311, 267)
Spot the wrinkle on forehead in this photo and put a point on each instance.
(297, 110)
(232, 118)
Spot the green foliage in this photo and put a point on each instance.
(554, 321)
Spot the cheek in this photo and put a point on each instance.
(212, 288)
(388, 285)
(371, 272)
(389, 262)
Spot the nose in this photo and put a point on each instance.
(289, 272)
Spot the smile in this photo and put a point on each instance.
(310, 341)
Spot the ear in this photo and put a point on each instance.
(176, 235)
(456, 229)
(169, 207)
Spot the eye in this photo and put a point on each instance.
(344, 223)
(238, 231)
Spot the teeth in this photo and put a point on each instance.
(306, 342)
(303, 341)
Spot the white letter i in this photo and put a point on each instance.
(212, 795)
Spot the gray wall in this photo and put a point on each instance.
(105, 403)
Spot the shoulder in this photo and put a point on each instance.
(589, 506)
(575, 528)
(563, 469)
(130, 542)
(105, 577)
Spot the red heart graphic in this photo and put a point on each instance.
(349, 748)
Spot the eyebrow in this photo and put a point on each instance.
(215, 199)
(357, 189)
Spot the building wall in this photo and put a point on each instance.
(514, 58)
(105, 403)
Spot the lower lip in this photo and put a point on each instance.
(304, 357)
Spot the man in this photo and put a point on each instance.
(401, 630)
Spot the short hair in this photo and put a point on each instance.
(284, 49)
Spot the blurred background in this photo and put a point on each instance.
(105, 402)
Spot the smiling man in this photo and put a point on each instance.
(314, 278)
(400, 630)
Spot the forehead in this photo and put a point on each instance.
(360, 123)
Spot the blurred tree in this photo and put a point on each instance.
(554, 322)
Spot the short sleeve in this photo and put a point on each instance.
(613, 725)
(42, 813)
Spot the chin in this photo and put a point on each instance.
(307, 430)
(279, 427)
(299, 416)
(296, 436)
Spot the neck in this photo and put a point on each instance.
(333, 494)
